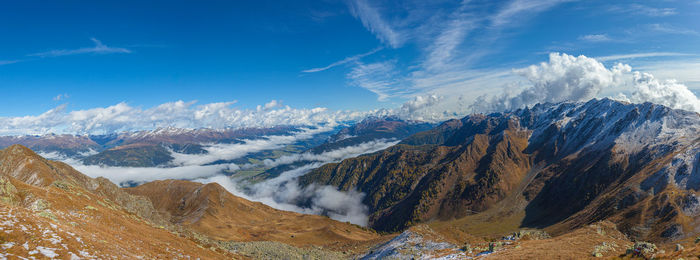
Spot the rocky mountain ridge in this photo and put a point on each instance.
(558, 166)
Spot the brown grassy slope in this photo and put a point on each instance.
(409, 184)
(48, 207)
(581, 243)
(211, 210)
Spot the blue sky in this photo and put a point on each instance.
(341, 55)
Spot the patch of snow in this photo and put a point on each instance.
(73, 256)
(48, 252)
(410, 245)
(7, 245)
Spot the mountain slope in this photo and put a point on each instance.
(558, 166)
(370, 129)
(50, 210)
(210, 210)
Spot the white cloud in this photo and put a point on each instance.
(216, 152)
(452, 37)
(669, 93)
(563, 78)
(269, 105)
(6, 62)
(379, 78)
(638, 9)
(683, 69)
(333, 155)
(595, 38)
(129, 175)
(344, 61)
(125, 175)
(639, 55)
(180, 114)
(568, 78)
(442, 51)
(665, 28)
(286, 195)
(99, 48)
(284, 192)
(60, 97)
(517, 9)
(375, 23)
(423, 108)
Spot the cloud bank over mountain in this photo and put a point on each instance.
(579, 78)
(562, 78)
(180, 114)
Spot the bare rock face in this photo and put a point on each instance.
(562, 165)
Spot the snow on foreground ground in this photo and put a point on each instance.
(415, 244)
(43, 240)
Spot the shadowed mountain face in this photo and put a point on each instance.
(368, 130)
(558, 165)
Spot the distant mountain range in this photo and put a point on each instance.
(182, 140)
(554, 166)
(564, 180)
(154, 148)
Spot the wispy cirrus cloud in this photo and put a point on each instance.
(344, 61)
(640, 55)
(451, 38)
(374, 22)
(521, 9)
(379, 78)
(442, 51)
(99, 48)
(7, 62)
(643, 10)
(60, 97)
(669, 29)
(595, 38)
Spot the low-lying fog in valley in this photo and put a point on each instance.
(281, 192)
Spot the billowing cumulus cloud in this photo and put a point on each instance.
(562, 78)
(668, 93)
(569, 78)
